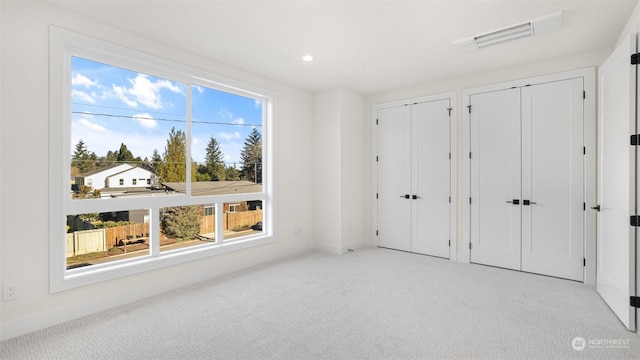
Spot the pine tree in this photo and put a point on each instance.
(124, 155)
(251, 157)
(82, 159)
(156, 162)
(181, 222)
(214, 161)
(174, 159)
(232, 174)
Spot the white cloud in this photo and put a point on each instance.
(148, 93)
(88, 125)
(144, 91)
(146, 121)
(225, 113)
(238, 121)
(257, 103)
(199, 88)
(229, 136)
(81, 80)
(81, 95)
(121, 93)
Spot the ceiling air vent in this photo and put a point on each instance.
(530, 28)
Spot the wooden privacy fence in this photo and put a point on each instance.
(207, 224)
(234, 219)
(114, 235)
(230, 220)
(87, 241)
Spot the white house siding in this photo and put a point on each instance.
(98, 180)
(139, 174)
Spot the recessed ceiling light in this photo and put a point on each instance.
(307, 57)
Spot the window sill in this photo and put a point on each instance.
(104, 272)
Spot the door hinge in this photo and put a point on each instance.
(584, 150)
(634, 140)
(376, 121)
(376, 232)
(469, 107)
(469, 200)
(377, 159)
(584, 261)
(635, 220)
(469, 246)
(449, 199)
(449, 156)
(469, 154)
(584, 94)
(634, 58)
(376, 195)
(449, 243)
(634, 301)
(449, 110)
(584, 206)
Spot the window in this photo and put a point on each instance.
(199, 141)
(209, 210)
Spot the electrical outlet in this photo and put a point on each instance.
(10, 292)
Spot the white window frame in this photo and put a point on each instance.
(64, 45)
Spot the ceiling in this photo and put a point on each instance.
(368, 46)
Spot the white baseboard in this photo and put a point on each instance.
(336, 248)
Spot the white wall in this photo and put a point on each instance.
(572, 62)
(352, 164)
(338, 170)
(325, 183)
(24, 149)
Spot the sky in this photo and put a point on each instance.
(111, 105)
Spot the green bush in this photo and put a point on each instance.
(241, 227)
(181, 222)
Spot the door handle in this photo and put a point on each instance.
(415, 197)
(596, 208)
(406, 196)
(514, 202)
(528, 202)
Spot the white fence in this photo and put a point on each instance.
(86, 241)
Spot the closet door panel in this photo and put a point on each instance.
(552, 179)
(495, 178)
(394, 178)
(430, 131)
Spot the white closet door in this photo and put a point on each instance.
(394, 178)
(552, 179)
(616, 239)
(430, 132)
(495, 178)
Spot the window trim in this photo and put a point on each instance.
(63, 45)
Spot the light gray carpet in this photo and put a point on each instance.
(372, 303)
